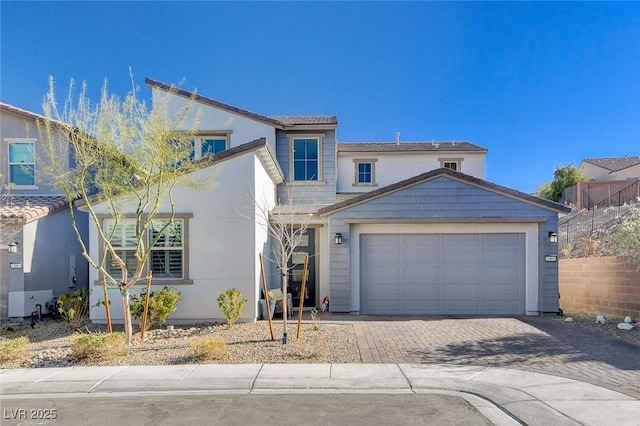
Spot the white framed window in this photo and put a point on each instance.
(365, 172)
(451, 163)
(21, 162)
(306, 158)
(168, 257)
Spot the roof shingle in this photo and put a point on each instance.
(614, 164)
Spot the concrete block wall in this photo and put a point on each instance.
(608, 286)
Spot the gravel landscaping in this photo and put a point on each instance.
(246, 343)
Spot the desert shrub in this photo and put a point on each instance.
(16, 349)
(311, 350)
(99, 346)
(625, 240)
(231, 304)
(162, 303)
(315, 316)
(74, 307)
(208, 348)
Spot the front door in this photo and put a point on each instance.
(306, 247)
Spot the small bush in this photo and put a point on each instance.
(208, 348)
(74, 307)
(311, 350)
(231, 304)
(626, 237)
(99, 346)
(16, 349)
(162, 303)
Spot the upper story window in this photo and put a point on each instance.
(167, 242)
(208, 145)
(22, 163)
(451, 163)
(365, 172)
(306, 159)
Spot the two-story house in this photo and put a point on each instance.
(397, 227)
(40, 256)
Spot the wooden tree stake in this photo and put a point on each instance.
(106, 302)
(303, 289)
(146, 307)
(266, 296)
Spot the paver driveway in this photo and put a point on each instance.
(535, 344)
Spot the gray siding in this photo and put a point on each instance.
(322, 192)
(13, 125)
(443, 198)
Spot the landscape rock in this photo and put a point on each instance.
(600, 319)
(568, 319)
(627, 319)
(625, 326)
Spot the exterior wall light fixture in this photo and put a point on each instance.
(338, 238)
(553, 238)
(13, 247)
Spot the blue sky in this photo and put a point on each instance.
(538, 84)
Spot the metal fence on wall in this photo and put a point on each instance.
(601, 216)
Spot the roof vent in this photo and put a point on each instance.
(397, 138)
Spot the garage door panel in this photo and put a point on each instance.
(425, 274)
(457, 306)
(501, 291)
(505, 307)
(420, 306)
(421, 292)
(465, 273)
(462, 290)
(502, 275)
(422, 256)
(442, 273)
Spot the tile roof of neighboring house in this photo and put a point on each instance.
(31, 207)
(443, 172)
(276, 121)
(409, 147)
(614, 164)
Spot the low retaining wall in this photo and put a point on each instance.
(609, 286)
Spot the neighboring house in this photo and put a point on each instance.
(612, 183)
(35, 222)
(611, 169)
(395, 228)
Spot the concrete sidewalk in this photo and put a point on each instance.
(504, 396)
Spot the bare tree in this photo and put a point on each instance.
(128, 159)
(286, 224)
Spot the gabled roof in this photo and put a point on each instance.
(26, 113)
(443, 172)
(31, 207)
(279, 122)
(613, 164)
(410, 147)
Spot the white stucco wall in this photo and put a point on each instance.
(222, 242)
(393, 167)
(214, 119)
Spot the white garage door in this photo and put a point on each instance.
(442, 273)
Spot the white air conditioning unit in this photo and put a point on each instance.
(23, 303)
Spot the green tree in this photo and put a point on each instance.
(563, 177)
(128, 160)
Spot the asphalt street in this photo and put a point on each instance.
(243, 410)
